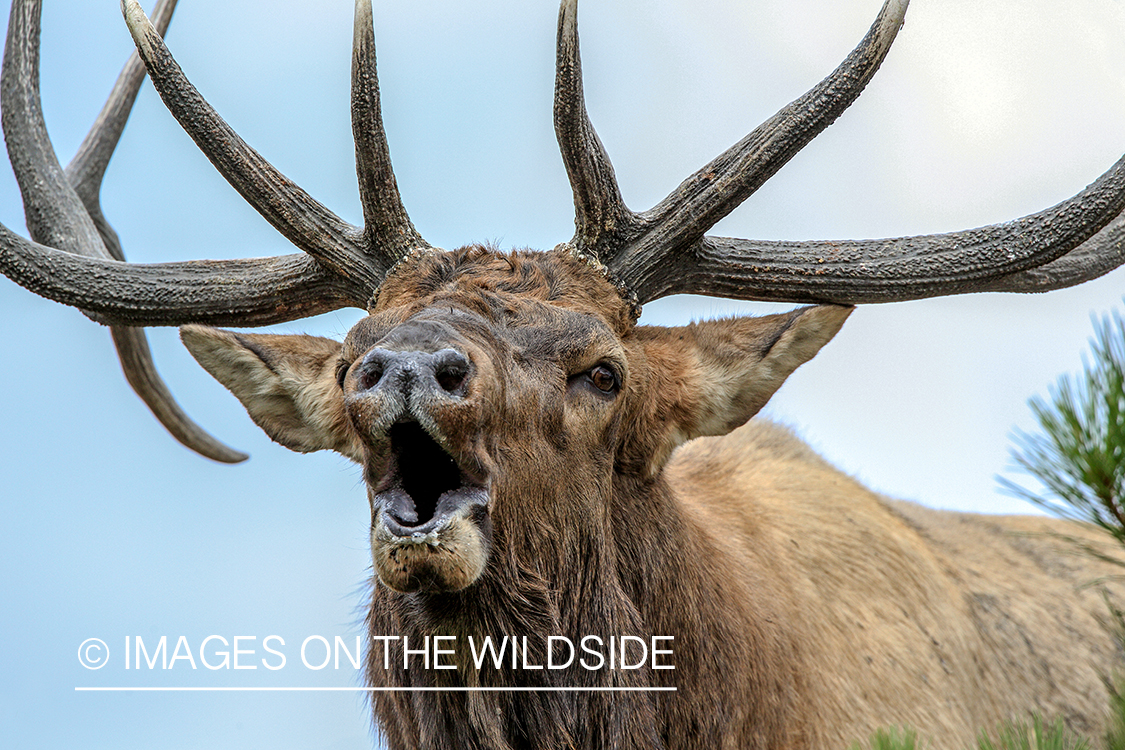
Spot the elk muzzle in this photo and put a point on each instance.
(430, 526)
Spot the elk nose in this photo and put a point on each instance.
(442, 371)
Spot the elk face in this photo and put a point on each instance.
(497, 399)
(474, 374)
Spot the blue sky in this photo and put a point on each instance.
(982, 112)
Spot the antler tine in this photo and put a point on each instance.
(718, 188)
(299, 217)
(602, 221)
(140, 372)
(991, 258)
(85, 173)
(55, 215)
(386, 222)
(87, 169)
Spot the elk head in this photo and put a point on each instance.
(484, 386)
(508, 386)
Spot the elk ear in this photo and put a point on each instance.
(719, 373)
(287, 384)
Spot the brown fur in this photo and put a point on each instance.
(806, 610)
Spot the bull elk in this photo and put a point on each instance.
(538, 464)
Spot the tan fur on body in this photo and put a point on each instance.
(946, 622)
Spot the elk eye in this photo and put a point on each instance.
(604, 379)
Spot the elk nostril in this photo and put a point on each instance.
(370, 376)
(383, 368)
(450, 377)
(450, 370)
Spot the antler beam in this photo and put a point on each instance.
(1013, 256)
(240, 292)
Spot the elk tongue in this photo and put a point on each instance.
(399, 506)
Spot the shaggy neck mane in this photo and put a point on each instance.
(639, 571)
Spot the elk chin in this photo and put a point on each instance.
(431, 528)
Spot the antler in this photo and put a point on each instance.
(665, 250)
(74, 256)
(63, 207)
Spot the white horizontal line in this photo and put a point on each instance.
(376, 689)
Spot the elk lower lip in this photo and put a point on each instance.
(398, 514)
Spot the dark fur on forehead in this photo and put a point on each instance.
(481, 276)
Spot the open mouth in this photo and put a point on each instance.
(424, 487)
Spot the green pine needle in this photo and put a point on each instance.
(1079, 458)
